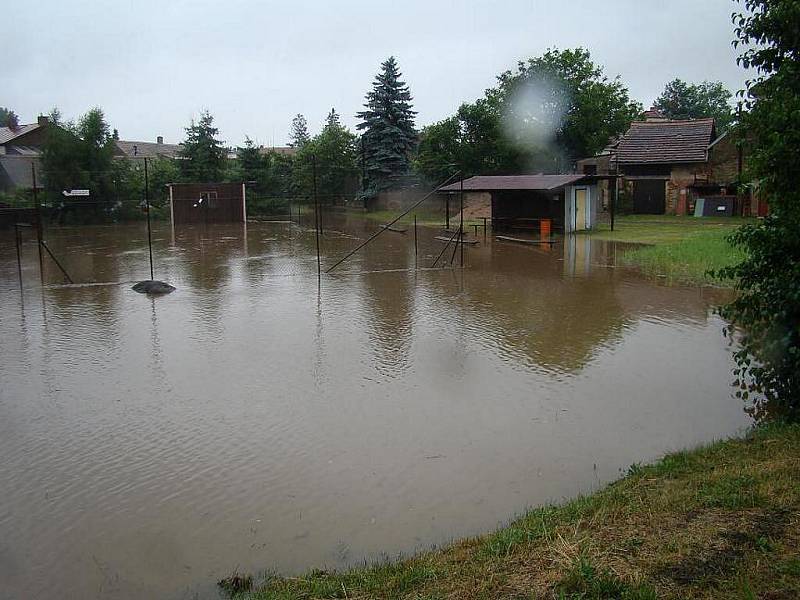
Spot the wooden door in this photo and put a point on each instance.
(649, 196)
(580, 209)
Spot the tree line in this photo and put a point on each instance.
(539, 117)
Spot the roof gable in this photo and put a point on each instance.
(7, 134)
(666, 142)
(132, 149)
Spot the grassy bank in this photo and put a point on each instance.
(678, 249)
(721, 521)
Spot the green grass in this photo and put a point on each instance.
(720, 521)
(676, 249)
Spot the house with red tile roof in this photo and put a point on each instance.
(665, 165)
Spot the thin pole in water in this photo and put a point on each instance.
(316, 210)
(363, 166)
(461, 224)
(147, 209)
(614, 200)
(19, 258)
(39, 234)
(447, 211)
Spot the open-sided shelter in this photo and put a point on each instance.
(568, 202)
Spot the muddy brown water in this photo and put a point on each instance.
(255, 420)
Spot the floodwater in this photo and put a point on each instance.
(258, 420)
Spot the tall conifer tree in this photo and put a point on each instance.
(388, 125)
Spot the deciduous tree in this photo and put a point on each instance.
(681, 100)
(550, 111)
(767, 305)
(8, 118)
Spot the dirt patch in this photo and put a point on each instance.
(737, 534)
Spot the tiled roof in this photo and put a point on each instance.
(7, 134)
(286, 150)
(488, 183)
(666, 142)
(147, 149)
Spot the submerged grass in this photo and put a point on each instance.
(721, 521)
(434, 218)
(677, 249)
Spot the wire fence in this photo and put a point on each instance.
(124, 194)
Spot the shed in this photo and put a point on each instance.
(207, 203)
(569, 202)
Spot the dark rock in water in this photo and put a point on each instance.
(153, 287)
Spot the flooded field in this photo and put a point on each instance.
(254, 419)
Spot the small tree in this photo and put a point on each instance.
(681, 100)
(8, 118)
(767, 305)
(204, 155)
(82, 156)
(250, 164)
(388, 125)
(335, 152)
(298, 136)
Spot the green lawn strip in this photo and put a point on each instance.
(721, 521)
(683, 250)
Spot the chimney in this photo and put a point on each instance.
(41, 120)
(654, 115)
(160, 139)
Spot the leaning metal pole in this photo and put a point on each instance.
(446, 246)
(392, 222)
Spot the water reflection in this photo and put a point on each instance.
(257, 419)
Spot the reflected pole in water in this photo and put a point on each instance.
(147, 210)
(316, 210)
(613, 199)
(19, 258)
(415, 240)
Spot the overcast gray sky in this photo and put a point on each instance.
(153, 65)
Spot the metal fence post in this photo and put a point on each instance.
(147, 209)
(316, 210)
(461, 224)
